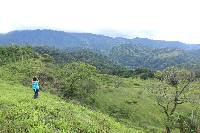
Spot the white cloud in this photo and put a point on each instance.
(157, 19)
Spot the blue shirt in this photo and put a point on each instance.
(35, 85)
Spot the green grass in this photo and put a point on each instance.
(19, 112)
(130, 103)
(124, 99)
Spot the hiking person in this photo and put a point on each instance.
(35, 86)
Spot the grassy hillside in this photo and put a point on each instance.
(19, 112)
(121, 98)
(127, 100)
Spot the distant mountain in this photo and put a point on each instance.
(133, 53)
(164, 44)
(60, 39)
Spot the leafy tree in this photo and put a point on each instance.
(77, 80)
(171, 91)
(15, 53)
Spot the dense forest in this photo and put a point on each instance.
(140, 99)
(134, 56)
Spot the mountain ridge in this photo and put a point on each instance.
(61, 39)
(131, 53)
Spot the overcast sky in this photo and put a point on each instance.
(155, 19)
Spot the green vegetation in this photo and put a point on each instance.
(132, 53)
(134, 56)
(172, 91)
(19, 112)
(128, 102)
(14, 53)
(123, 96)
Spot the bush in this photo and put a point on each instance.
(77, 80)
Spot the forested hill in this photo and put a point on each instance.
(95, 49)
(62, 39)
(143, 56)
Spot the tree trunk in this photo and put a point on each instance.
(168, 130)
